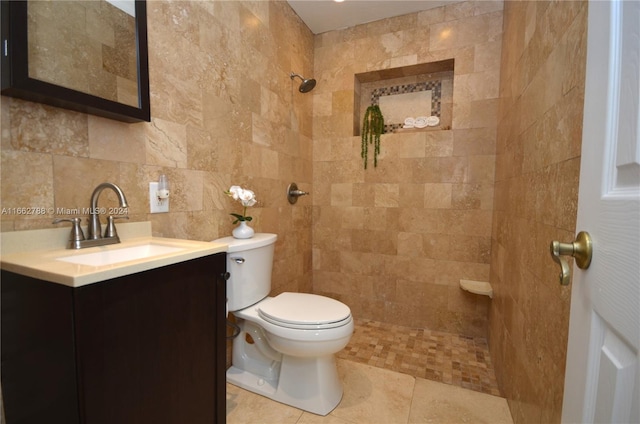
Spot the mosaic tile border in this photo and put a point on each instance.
(436, 97)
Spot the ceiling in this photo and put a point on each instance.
(327, 15)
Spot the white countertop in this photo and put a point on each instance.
(35, 253)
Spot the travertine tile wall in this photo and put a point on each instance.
(224, 111)
(393, 241)
(536, 191)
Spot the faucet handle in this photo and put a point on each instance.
(76, 231)
(111, 226)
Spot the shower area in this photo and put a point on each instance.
(475, 201)
(394, 241)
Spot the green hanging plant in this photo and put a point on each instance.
(372, 128)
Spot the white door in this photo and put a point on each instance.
(602, 382)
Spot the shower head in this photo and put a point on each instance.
(306, 85)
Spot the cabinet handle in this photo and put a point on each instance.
(225, 276)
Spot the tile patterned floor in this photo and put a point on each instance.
(432, 355)
(374, 395)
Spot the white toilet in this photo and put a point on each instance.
(286, 346)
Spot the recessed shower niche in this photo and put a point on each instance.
(416, 91)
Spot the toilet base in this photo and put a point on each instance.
(310, 384)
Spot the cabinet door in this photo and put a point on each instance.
(147, 345)
(38, 359)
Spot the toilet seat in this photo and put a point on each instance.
(304, 311)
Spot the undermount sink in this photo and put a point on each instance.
(114, 256)
(41, 254)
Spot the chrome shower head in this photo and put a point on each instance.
(306, 85)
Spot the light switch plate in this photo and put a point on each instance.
(156, 205)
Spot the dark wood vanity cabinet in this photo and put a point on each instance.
(143, 348)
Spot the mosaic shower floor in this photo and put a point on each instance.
(434, 355)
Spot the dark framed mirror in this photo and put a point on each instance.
(85, 55)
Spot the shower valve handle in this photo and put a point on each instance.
(293, 193)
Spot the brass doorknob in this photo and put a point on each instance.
(581, 250)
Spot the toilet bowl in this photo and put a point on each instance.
(286, 345)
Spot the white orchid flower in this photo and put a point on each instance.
(246, 197)
(234, 191)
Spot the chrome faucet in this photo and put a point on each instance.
(94, 214)
(94, 235)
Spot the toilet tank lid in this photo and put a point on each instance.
(238, 245)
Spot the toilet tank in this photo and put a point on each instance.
(249, 263)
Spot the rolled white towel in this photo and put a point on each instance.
(420, 122)
(432, 121)
(409, 122)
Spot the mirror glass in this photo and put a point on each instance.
(88, 46)
(86, 55)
